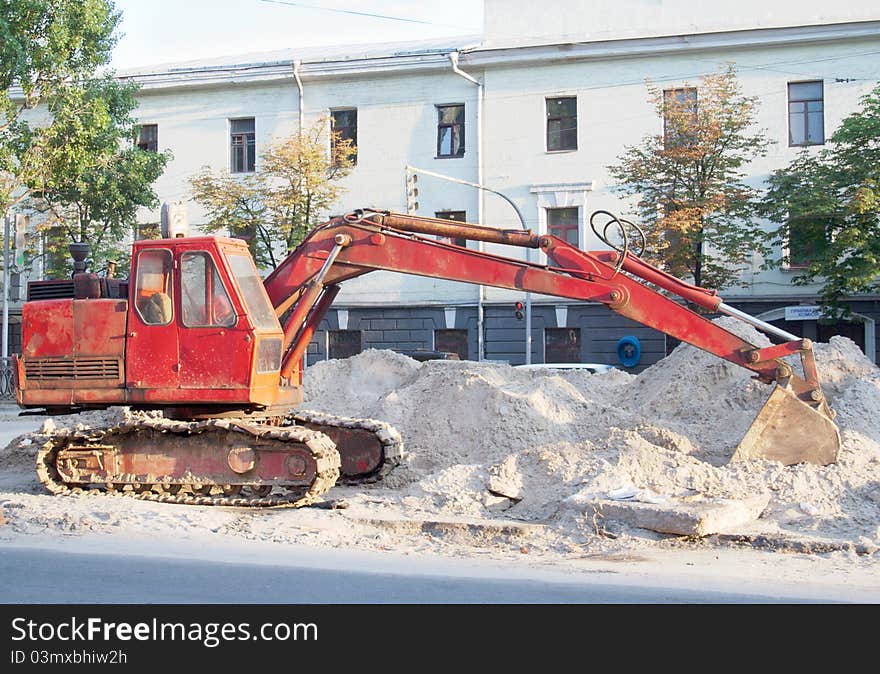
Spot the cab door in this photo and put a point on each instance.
(214, 351)
(152, 362)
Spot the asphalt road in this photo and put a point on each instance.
(109, 578)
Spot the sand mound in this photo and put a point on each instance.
(484, 438)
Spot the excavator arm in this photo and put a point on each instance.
(795, 425)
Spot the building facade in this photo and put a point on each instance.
(536, 109)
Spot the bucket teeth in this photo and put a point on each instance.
(788, 430)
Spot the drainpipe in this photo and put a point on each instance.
(299, 85)
(453, 59)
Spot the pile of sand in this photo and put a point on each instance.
(484, 439)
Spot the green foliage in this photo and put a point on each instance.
(692, 201)
(828, 204)
(66, 133)
(296, 182)
(44, 45)
(90, 178)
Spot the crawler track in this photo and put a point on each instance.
(155, 488)
(388, 437)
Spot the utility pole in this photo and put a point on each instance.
(5, 287)
(412, 170)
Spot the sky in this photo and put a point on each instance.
(163, 31)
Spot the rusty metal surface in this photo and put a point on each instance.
(788, 431)
(73, 351)
(703, 297)
(360, 450)
(358, 465)
(73, 461)
(453, 230)
(198, 463)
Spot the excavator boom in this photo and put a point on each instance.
(304, 284)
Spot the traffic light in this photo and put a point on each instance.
(412, 192)
(519, 310)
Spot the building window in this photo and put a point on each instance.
(450, 131)
(343, 124)
(343, 343)
(148, 137)
(457, 216)
(452, 341)
(800, 243)
(563, 223)
(243, 139)
(806, 125)
(562, 124)
(562, 345)
(679, 114)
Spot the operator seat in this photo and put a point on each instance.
(156, 310)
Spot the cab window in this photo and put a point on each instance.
(204, 301)
(251, 285)
(153, 290)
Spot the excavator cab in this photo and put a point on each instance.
(202, 330)
(197, 333)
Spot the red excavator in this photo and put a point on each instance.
(196, 334)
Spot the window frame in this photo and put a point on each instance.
(443, 215)
(208, 302)
(247, 140)
(330, 333)
(576, 225)
(806, 113)
(451, 126)
(559, 118)
(168, 289)
(151, 144)
(579, 344)
(344, 132)
(809, 255)
(460, 332)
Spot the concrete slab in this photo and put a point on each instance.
(684, 518)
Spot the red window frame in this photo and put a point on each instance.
(563, 230)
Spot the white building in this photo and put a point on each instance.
(585, 63)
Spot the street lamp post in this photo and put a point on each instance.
(522, 222)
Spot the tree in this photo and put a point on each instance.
(827, 207)
(91, 178)
(296, 183)
(694, 206)
(44, 45)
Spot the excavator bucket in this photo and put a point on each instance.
(790, 431)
